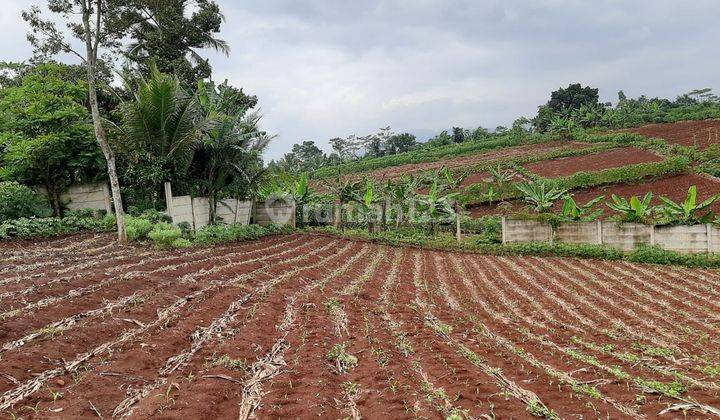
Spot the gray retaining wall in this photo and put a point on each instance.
(94, 196)
(628, 236)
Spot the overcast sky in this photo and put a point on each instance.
(331, 68)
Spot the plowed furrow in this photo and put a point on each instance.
(223, 328)
(594, 309)
(243, 343)
(651, 310)
(497, 394)
(673, 287)
(47, 310)
(66, 344)
(308, 328)
(32, 250)
(173, 262)
(59, 261)
(630, 374)
(60, 327)
(164, 319)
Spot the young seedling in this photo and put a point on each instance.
(344, 361)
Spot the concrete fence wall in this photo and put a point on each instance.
(94, 196)
(196, 210)
(685, 239)
(278, 212)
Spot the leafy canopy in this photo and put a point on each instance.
(45, 138)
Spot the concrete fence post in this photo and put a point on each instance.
(708, 232)
(106, 198)
(168, 198)
(652, 235)
(504, 230)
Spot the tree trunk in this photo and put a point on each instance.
(213, 209)
(90, 67)
(54, 198)
(337, 217)
(383, 215)
(458, 232)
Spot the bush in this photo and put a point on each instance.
(18, 201)
(167, 236)
(137, 229)
(216, 234)
(25, 228)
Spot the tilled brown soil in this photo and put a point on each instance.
(592, 162)
(674, 187)
(305, 326)
(700, 134)
(476, 159)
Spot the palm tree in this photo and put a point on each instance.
(229, 154)
(160, 126)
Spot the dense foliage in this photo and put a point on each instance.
(45, 138)
(19, 201)
(72, 222)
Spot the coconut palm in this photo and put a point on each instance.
(159, 128)
(228, 157)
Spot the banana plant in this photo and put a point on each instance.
(688, 212)
(346, 190)
(402, 193)
(437, 206)
(302, 194)
(541, 195)
(367, 201)
(448, 180)
(563, 126)
(502, 176)
(573, 211)
(634, 210)
(491, 195)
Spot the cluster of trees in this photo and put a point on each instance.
(61, 124)
(577, 107)
(307, 156)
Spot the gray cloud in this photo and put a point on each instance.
(326, 68)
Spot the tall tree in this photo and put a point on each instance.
(159, 129)
(573, 97)
(87, 21)
(170, 34)
(44, 135)
(228, 157)
(400, 143)
(303, 157)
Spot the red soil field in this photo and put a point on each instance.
(593, 162)
(674, 187)
(686, 133)
(476, 159)
(304, 325)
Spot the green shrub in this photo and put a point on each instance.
(217, 234)
(166, 236)
(25, 228)
(17, 201)
(137, 229)
(155, 216)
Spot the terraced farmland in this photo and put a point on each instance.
(701, 133)
(311, 326)
(592, 162)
